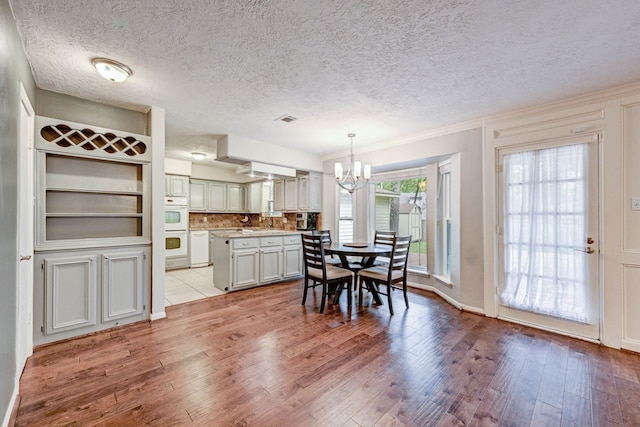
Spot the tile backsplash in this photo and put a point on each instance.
(231, 220)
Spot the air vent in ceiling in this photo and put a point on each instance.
(286, 118)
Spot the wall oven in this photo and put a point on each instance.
(175, 243)
(176, 214)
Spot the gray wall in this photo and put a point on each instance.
(66, 107)
(14, 69)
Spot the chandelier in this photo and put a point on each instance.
(354, 179)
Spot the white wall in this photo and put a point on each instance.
(614, 114)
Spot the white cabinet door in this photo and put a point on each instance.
(216, 197)
(254, 197)
(178, 186)
(270, 264)
(122, 285)
(245, 268)
(291, 194)
(315, 192)
(292, 261)
(70, 292)
(303, 193)
(235, 198)
(278, 195)
(198, 196)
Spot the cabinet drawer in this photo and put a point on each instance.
(245, 243)
(270, 241)
(293, 239)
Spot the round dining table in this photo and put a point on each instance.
(368, 253)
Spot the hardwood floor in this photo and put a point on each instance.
(259, 358)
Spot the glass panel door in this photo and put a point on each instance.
(550, 230)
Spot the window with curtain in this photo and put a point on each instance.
(401, 206)
(545, 221)
(443, 230)
(345, 216)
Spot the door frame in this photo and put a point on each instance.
(24, 229)
(532, 130)
(591, 332)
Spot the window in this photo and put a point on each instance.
(401, 206)
(443, 230)
(345, 216)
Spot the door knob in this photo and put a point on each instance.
(588, 250)
(590, 241)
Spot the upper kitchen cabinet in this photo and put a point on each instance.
(303, 193)
(310, 192)
(216, 197)
(92, 186)
(176, 186)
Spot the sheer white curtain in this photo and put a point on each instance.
(545, 225)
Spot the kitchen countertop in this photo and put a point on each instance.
(240, 233)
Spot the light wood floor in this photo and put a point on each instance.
(259, 358)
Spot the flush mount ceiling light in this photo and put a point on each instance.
(111, 70)
(353, 179)
(198, 156)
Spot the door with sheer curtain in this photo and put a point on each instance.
(549, 245)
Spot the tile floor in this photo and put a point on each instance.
(189, 284)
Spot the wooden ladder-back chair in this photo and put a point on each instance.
(326, 234)
(392, 276)
(316, 272)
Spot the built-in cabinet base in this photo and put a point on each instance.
(83, 291)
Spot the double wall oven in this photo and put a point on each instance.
(176, 225)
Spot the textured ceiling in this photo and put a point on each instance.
(382, 69)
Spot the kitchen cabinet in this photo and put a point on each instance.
(292, 256)
(278, 195)
(245, 262)
(235, 198)
(88, 290)
(270, 259)
(214, 196)
(301, 194)
(197, 196)
(176, 186)
(254, 198)
(291, 194)
(310, 192)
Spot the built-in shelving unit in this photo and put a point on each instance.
(92, 237)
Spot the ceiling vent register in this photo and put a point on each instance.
(64, 136)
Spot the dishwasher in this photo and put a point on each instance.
(199, 248)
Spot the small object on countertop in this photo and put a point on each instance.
(245, 220)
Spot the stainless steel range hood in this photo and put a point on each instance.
(265, 170)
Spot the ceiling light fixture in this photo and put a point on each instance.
(353, 179)
(112, 70)
(198, 156)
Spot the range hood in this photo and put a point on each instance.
(265, 170)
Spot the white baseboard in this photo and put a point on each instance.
(158, 316)
(10, 408)
(448, 299)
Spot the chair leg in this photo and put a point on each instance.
(404, 290)
(324, 297)
(389, 299)
(349, 296)
(360, 279)
(304, 293)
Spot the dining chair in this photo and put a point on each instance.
(326, 234)
(316, 272)
(393, 275)
(383, 238)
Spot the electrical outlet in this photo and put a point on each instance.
(205, 219)
(635, 203)
(284, 220)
